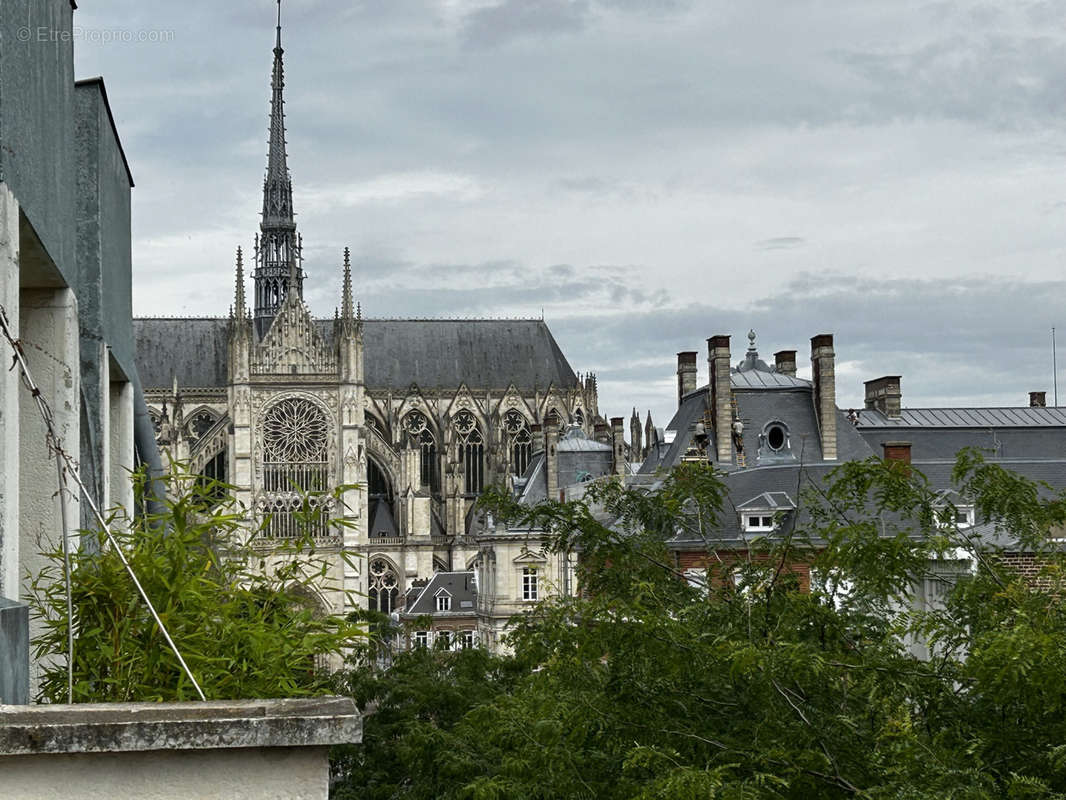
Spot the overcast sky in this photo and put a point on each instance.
(646, 172)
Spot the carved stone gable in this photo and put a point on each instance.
(463, 401)
(293, 345)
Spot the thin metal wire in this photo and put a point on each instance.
(67, 579)
(67, 466)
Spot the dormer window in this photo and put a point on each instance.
(776, 437)
(758, 522)
(775, 443)
(444, 601)
(763, 513)
(951, 514)
(960, 517)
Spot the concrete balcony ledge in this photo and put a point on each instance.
(231, 749)
(221, 724)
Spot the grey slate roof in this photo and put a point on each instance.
(460, 586)
(194, 350)
(383, 523)
(1038, 442)
(770, 501)
(965, 418)
(768, 379)
(434, 354)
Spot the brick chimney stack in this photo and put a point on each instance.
(884, 395)
(686, 373)
(785, 362)
(823, 371)
(1037, 399)
(721, 388)
(897, 451)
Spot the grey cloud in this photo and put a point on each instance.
(1007, 80)
(512, 19)
(958, 343)
(780, 243)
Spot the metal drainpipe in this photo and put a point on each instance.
(148, 452)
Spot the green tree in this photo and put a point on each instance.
(745, 685)
(413, 705)
(246, 625)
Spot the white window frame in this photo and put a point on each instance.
(421, 638)
(530, 583)
(443, 602)
(467, 639)
(444, 639)
(759, 521)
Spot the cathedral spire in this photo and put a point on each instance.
(347, 306)
(238, 304)
(277, 191)
(278, 267)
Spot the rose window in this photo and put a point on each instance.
(294, 431)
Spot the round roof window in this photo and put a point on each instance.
(775, 437)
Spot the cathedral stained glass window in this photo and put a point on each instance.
(520, 440)
(471, 444)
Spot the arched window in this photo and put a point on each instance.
(384, 589)
(471, 450)
(416, 424)
(579, 417)
(295, 465)
(377, 484)
(519, 439)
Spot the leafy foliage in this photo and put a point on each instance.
(747, 683)
(246, 624)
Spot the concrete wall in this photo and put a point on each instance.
(259, 749)
(246, 774)
(49, 334)
(9, 401)
(104, 280)
(36, 113)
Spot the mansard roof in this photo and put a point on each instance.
(460, 586)
(432, 353)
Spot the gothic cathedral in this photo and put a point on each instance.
(419, 414)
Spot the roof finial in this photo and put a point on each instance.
(279, 25)
(751, 341)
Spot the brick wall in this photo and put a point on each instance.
(722, 566)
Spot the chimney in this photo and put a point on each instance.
(618, 435)
(721, 388)
(884, 395)
(823, 372)
(686, 373)
(897, 451)
(1037, 399)
(551, 454)
(601, 432)
(785, 361)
